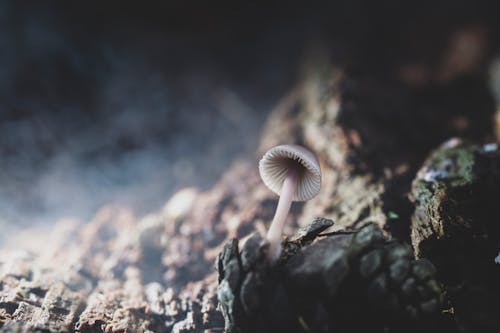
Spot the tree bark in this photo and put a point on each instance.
(371, 133)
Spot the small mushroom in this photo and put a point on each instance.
(292, 172)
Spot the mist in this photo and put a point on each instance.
(99, 108)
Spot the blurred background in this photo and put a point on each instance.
(127, 102)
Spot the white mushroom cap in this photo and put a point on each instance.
(274, 165)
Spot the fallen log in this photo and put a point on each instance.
(118, 273)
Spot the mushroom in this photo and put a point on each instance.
(292, 172)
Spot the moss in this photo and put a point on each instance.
(453, 166)
(456, 196)
(454, 183)
(447, 177)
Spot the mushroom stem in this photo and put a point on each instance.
(284, 203)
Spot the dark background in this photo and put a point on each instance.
(127, 102)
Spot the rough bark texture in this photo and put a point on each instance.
(456, 193)
(156, 274)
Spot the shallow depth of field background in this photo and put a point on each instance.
(127, 103)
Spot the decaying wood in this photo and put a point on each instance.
(118, 273)
(456, 194)
(372, 134)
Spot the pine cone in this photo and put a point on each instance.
(250, 290)
(346, 282)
